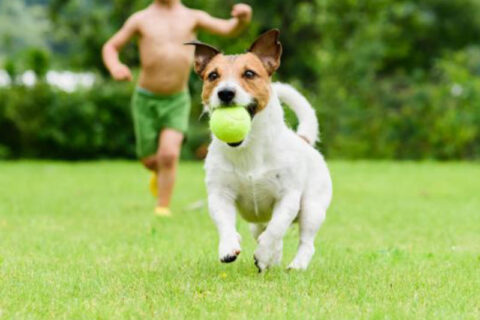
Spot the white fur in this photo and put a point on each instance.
(308, 124)
(271, 179)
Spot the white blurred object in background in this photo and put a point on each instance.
(65, 80)
(4, 78)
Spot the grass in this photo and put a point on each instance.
(401, 240)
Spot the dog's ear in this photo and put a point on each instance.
(203, 54)
(268, 48)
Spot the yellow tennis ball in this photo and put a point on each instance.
(230, 124)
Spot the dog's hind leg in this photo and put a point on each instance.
(310, 219)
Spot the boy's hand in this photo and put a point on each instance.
(121, 72)
(243, 12)
(241, 16)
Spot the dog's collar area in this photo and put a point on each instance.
(235, 144)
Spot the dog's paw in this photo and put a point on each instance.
(260, 266)
(303, 257)
(268, 253)
(277, 255)
(229, 251)
(298, 264)
(229, 258)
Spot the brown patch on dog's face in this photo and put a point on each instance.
(254, 79)
(214, 72)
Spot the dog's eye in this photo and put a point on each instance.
(249, 74)
(212, 76)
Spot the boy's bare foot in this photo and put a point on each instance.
(162, 212)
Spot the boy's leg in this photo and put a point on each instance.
(169, 145)
(150, 163)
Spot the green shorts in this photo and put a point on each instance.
(152, 113)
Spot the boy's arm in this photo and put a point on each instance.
(111, 48)
(241, 16)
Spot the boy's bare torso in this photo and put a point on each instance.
(165, 60)
(163, 28)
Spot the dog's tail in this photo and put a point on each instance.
(307, 120)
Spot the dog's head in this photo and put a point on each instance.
(242, 79)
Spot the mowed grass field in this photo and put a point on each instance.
(79, 241)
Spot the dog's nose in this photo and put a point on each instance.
(226, 95)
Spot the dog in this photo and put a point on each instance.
(274, 176)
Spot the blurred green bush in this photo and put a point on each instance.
(437, 117)
(45, 122)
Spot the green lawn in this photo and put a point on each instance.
(78, 240)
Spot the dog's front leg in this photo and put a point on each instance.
(223, 213)
(270, 242)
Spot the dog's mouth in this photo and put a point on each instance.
(235, 144)
(252, 108)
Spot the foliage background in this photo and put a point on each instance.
(389, 79)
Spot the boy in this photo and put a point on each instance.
(161, 103)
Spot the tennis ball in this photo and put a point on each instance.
(230, 124)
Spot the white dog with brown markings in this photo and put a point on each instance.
(274, 176)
